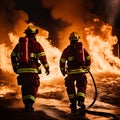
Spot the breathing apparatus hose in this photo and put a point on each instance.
(105, 114)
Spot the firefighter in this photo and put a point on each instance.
(75, 57)
(26, 58)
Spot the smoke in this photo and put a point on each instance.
(10, 20)
(59, 17)
(73, 12)
(80, 15)
(112, 9)
(67, 12)
(41, 17)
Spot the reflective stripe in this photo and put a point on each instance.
(41, 54)
(62, 68)
(72, 96)
(26, 70)
(88, 67)
(74, 71)
(33, 55)
(62, 60)
(46, 65)
(81, 94)
(88, 57)
(71, 58)
(14, 54)
(28, 96)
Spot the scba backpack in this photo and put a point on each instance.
(23, 51)
(80, 56)
(23, 54)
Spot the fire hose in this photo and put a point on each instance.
(99, 113)
(95, 87)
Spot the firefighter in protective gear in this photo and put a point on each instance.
(75, 57)
(27, 66)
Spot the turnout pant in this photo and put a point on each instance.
(76, 87)
(30, 83)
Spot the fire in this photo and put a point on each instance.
(52, 53)
(100, 48)
(101, 51)
(4, 60)
(4, 90)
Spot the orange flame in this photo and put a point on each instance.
(52, 54)
(101, 51)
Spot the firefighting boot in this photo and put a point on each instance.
(29, 107)
(73, 108)
(81, 109)
(81, 104)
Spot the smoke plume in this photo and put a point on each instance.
(10, 21)
(79, 14)
(59, 17)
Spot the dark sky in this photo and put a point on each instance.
(40, 16)
(44, 14)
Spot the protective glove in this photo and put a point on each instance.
(63, 73)
(15, 69)
(47, 72)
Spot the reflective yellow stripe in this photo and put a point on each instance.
(62, 60)
(88, 67)
(26, 70)
(81, 94)
(62, 68)
(28, 96)
(33, 55)
(88, 57)
(41, 54)
(46, 65)
(74, 71)
(71, 58)
(72, 96)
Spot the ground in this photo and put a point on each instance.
(53, 104)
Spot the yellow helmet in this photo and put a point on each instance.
(74, 36)
(31, 29)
